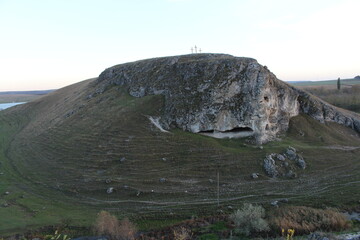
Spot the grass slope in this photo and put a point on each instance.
(59, 155)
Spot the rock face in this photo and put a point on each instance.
(220, 95)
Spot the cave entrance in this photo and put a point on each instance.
(237, 132)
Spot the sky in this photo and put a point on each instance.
(49, 44)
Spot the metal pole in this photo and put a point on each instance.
(218, 188)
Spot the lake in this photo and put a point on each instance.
(7, 105)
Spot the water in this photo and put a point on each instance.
(7, 105)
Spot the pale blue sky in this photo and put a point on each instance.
(46, 44)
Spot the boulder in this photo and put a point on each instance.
(220, 95)
(254, 175)
(300, 161)
(270, 166)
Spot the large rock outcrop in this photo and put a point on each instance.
(220, 95)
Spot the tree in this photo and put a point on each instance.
(338, 84)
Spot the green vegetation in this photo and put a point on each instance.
(60, 154)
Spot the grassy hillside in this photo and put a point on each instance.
(60, 154)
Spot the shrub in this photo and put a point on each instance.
(110, 226)
(182, 234)
(305, 219)
(249, 219)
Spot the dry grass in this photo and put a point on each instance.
(347, 97)
(110, 226)
(182, 234)
(305, 220)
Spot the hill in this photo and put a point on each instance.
(93, 145)
(21, 96)
(325, 83)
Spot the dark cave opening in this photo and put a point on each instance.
(207, 131)
(234, 130)
(239, 129)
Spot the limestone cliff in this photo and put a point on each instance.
(220, 95)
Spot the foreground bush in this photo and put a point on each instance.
(249, 219)
(110, 226)
(305, 220)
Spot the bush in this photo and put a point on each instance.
(110, 226)
(249, 219)
(305, 220)
(182, 234)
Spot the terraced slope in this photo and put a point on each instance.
(63, 153)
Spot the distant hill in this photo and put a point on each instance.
(22, 96)
(349, 82)
(35, 92)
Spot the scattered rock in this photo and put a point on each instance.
(108, 181)
(110, 190)
(162, 180)
(285, 164)
(7, 193)
(284, 200)
(353, 216)
(5, 205)
(164, 159)
(138, 193)
(211, 181)
(300, 162)
(270, 166)
(280, 157)
(291, 174)
(291, 153)
(126, 187)
(349, 236)
(122, 159)
(275, 203)
(318, 236)
(254, 175)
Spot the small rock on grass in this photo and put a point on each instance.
(110, 190)
(254, 175)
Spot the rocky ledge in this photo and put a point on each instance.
(221, 96)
